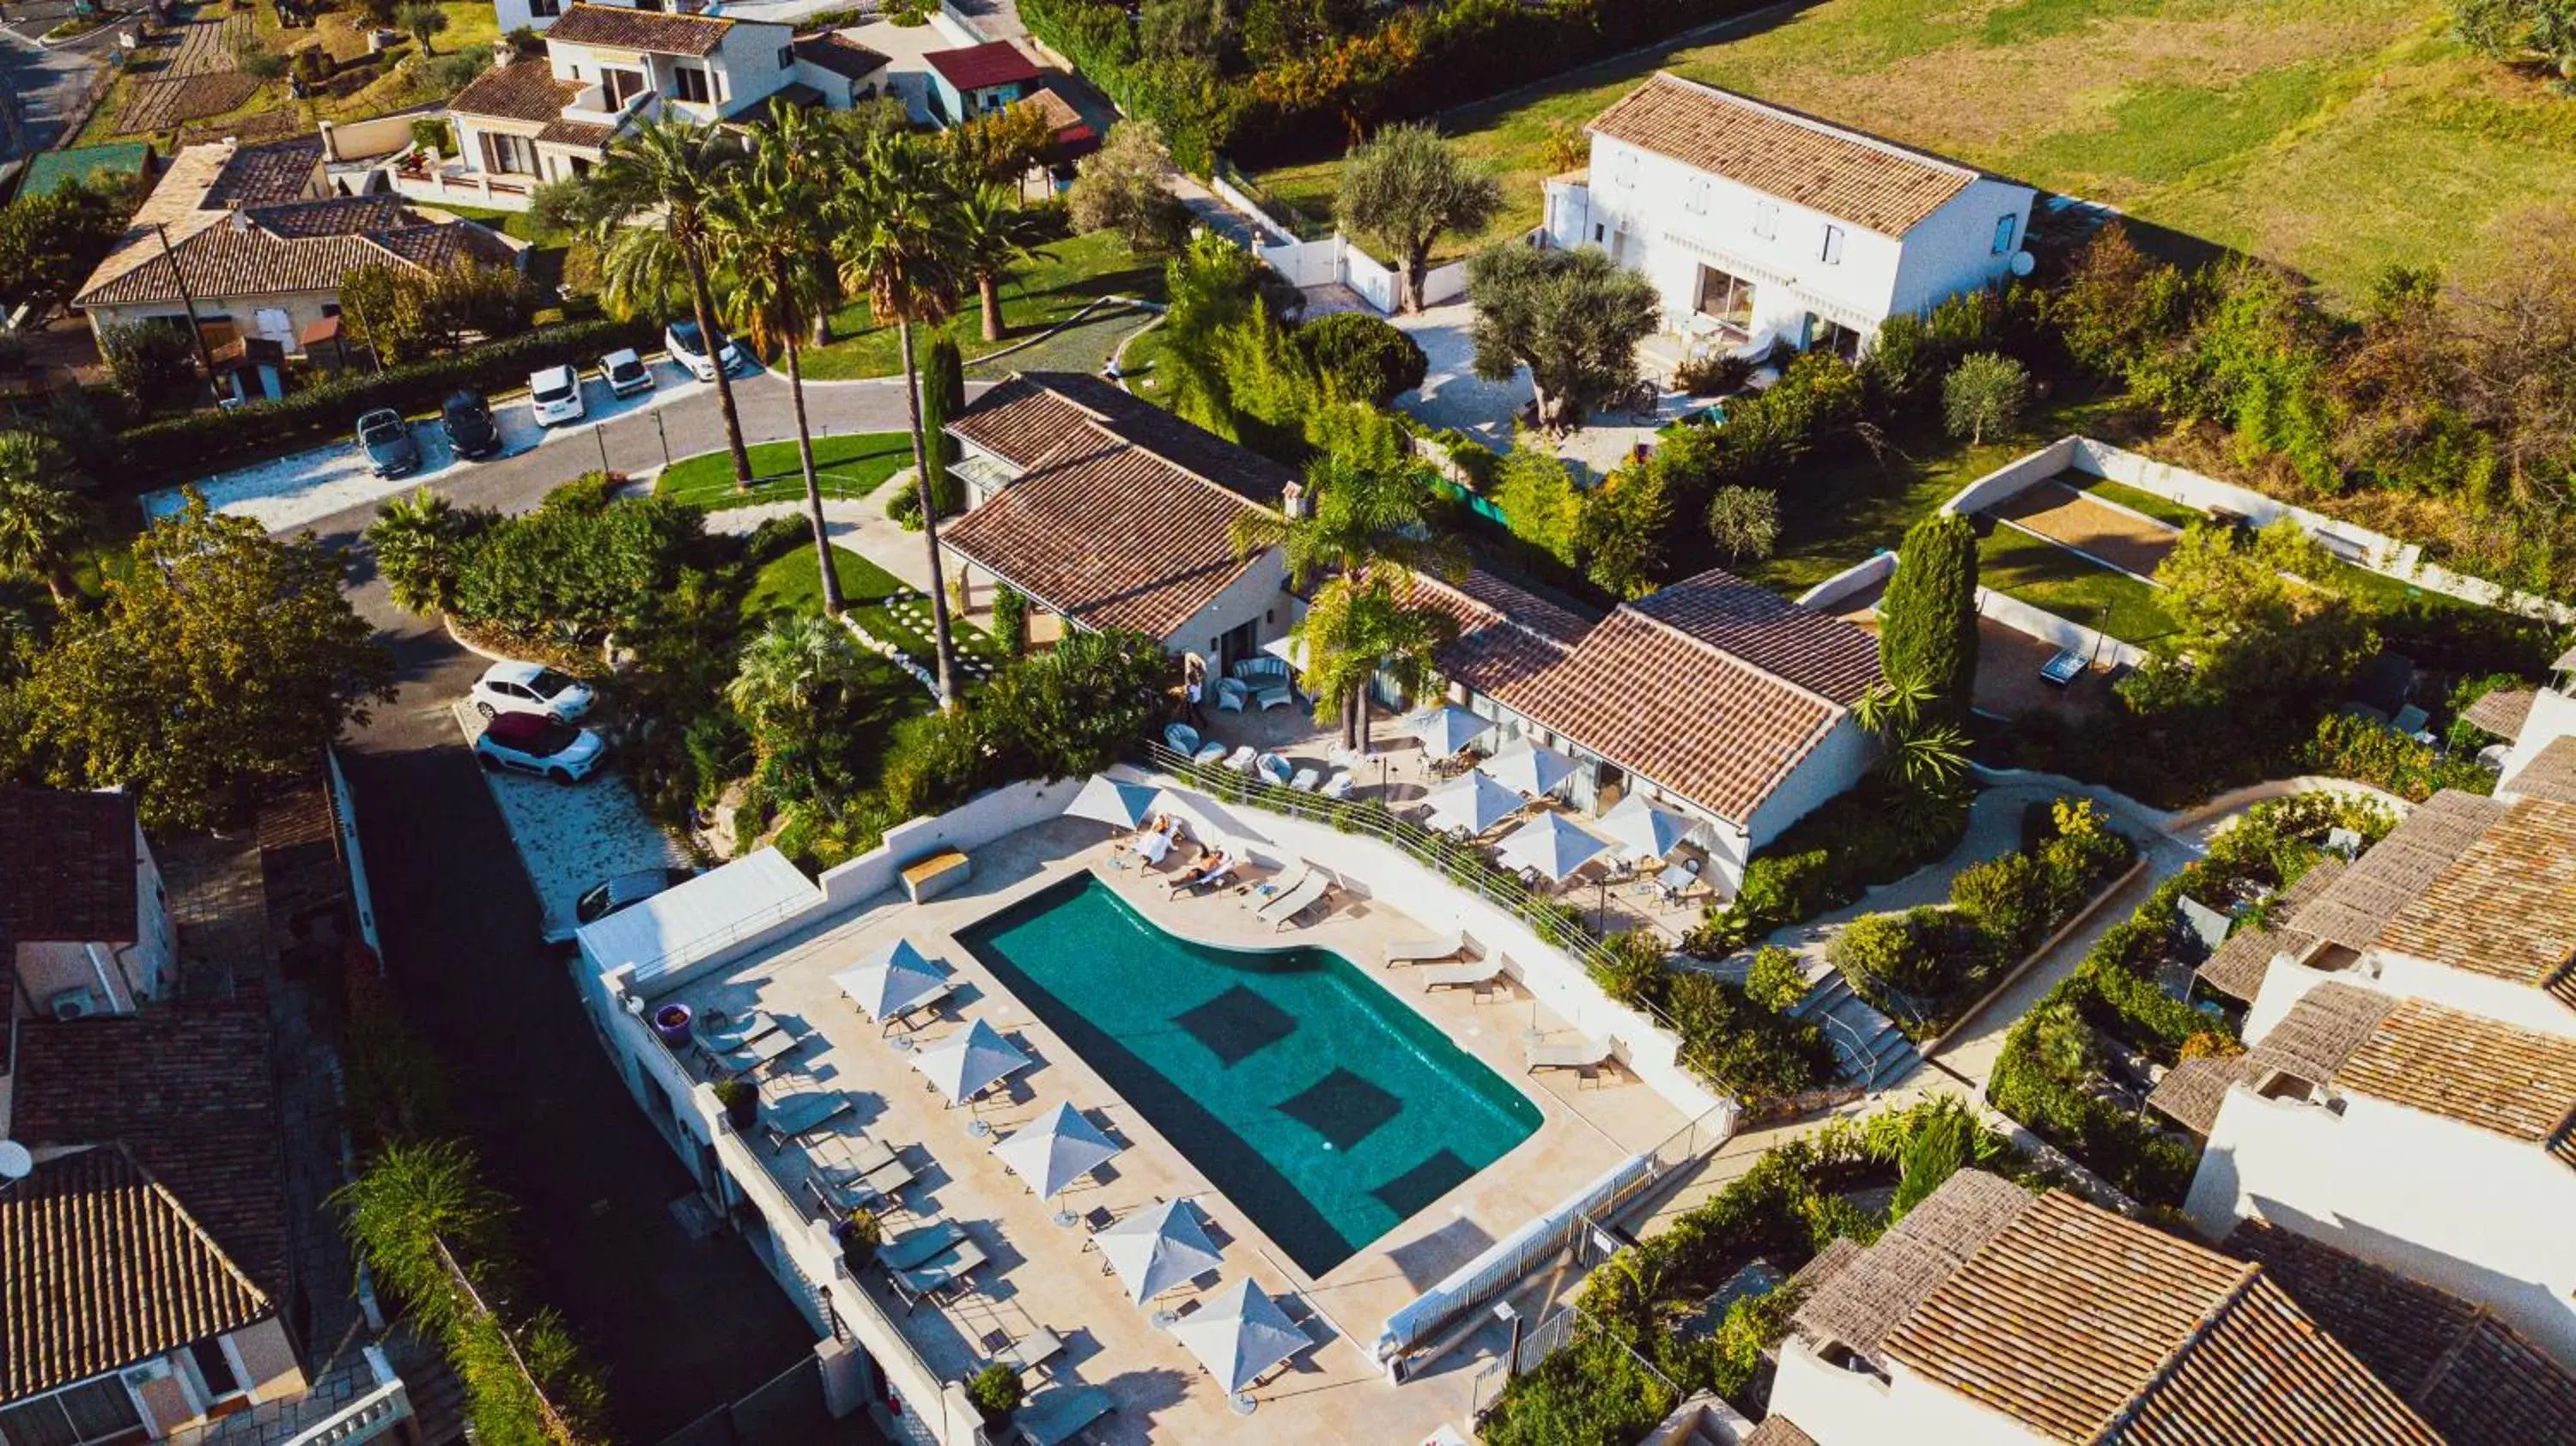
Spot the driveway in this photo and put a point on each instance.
(1451, 394)
(45, 83)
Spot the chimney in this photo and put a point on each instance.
(1292, 499)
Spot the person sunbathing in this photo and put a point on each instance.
(1218, 866)
(1153, 845)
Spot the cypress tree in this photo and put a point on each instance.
(1928, 620)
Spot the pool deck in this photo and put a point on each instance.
(1041, 1275)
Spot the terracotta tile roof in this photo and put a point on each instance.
(616, 27)
(189, 1089)
(2191, 1092)
(1668, 688)
(304, 245)
(1779, 1431)
(2505, 906)
(1857, 1295)
(2395, 871)
(2518, 1083)
(839, 54)
(338, 216)
(1874, 184)
(576, 133)
(522, 90)
(2088, 1327)
(2472, 1376)
(267, 175)
(2239, 965)
(1074, 137)
(1118, 520)
(976, 67)
(1481, 599)
(2551, 773)
(70, 872)
(2319, 1033)
(2502, 712)
(101, 1267)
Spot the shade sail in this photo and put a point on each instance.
(1156, 1249)
(963, 1064)
(891, 980)
(1529, 768)
(1241, 1335)
(1549, 843)
(1643, 829)
(1443, 731)
(1120, 805)
(1473, 802)
(1059, 1149)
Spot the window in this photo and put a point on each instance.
(1833, 252)
(215, 1368)
(787, 61)
(508, 155)
(689, 83)
(1766, 219)
(2005, 224)
(1695, 200)
(95, 1411)
(545, 9)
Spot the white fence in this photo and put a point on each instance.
(1337, 260)
(2103, 649)
(1851, 582)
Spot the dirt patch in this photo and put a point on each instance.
(2069, 518)
(158, 105)
(2008, 681)
(285, 123)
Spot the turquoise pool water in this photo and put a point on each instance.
(1323, 1107)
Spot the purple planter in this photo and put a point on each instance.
(671, 1021)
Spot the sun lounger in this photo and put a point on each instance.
(924, 1281)
(733, 1034)
(1475, 974)
(932, 1000)
(2064, 668)
(1230, 694)
(800, 1115)
(760, 1053)
(1208, 754)
(1582, 1054)
(1202, 878)
(1273, 768)
(1426, 951)
(1279, 912)
(840, 1189)
(1286, 879)
(1031, 1351)
(1181, 738)
(920, 1246)
(1058, 1414)
(1339, 785)
(1240, 760)
(1305, 780)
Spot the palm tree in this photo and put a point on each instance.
(418, 541)
(652, 194)
(42, 521)
(1361, 625)
(768, 216)
(787, 676)
(1925, 755)
(992, 234)
(896, 214)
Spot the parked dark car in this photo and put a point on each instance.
(470, 428)
(386, 439)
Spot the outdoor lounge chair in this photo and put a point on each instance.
(1305, 780)
(1582, 1054)
(760, 1053)
(1202, 877)
(1339, 785)
(1181, 738)
(1291, 877)
(1240, 760)
(1058, 1414)
(1476, 974)
(842, 1189)
(800, 1115)
(732, 1034)
(1273, 768)
(931, 1001)
(1230, 693)
(1268, 680)
(2064, 668)
(1284, 909)
(1207, 754)
(940, 1273)
(1426, 951)
(921, 1245)
(1030, 1351)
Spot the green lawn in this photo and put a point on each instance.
(847, 467)
(2334, 139)
(1047, 290)
(884, 604)
(2162, 509)
(2051, 577)
(2374, 591)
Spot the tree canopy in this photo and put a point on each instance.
(1928, 620)
(1405, 189)
(1574, 318)
(222, 659)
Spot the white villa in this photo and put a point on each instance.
(607, 67)
(2409, 1090)
(1713, 696)
(1759, 224)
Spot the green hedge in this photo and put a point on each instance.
(1874, 834)
(160, 453)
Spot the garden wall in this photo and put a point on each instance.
(1851, 582)
(2048, 627)
(2013, 478)
(971, 825)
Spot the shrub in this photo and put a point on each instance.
(1714, 375)
(571, 571)
(1481, 463)
(2011, 898)
(1362, 358)
(1984, 395)
(996, 1391)
(432, 133)
(1928, 618)
(2363, 749)
(1874, 834)
(150, 361)
(190, 445)
(1775, 979)
(1011, 621)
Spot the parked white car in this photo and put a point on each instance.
(689, 349)
(534, 743)
(555, 395)
(625, 373)
(528, 688)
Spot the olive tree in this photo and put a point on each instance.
(1405, 190)
(1574, 318)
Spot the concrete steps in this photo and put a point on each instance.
(1873, 1052)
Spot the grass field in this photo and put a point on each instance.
(1049, 289)
(851, 466)
(2334, 139)
(2051, 577)
(2372, 591)
(2162, 509)
(881, 602)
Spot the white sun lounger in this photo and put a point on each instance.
(1031, 1351)
(1285, 881)
(1283, 910)
(1426, 951)
(1305, 780)
(1209, 753)
(1240, 760)
(1339, 785)
(799, 1115)
(923, 1282)
(1581, 1054)
(1475, 974)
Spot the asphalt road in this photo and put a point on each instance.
(44, 83)
(684, 1326)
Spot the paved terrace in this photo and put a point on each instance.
(1041, 1275)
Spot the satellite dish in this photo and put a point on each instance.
(15, 1163)
(2022, 263)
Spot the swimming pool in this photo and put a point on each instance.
(1318, 1103)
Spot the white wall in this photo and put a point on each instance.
(2048, 627)
(1258, 596)
(2553, 716)
(2472, 1212)
(1953, 249)
(2015, 477)
(971, 825)
(1836, 1407)
(1852, 581)
(2404, 977)
(1836, 764)
(749, 59)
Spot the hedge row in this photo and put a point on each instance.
(183, 447)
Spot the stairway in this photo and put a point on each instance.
(1873, 1052)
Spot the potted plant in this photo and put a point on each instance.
(671, 1022)
(996, 1392)
(860, 1236)
(741, 1101)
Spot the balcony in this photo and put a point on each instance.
(363, 1400)
(594, 107)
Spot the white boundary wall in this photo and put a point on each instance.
(1337, 260)
(1858, 578)
(2048, 627)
